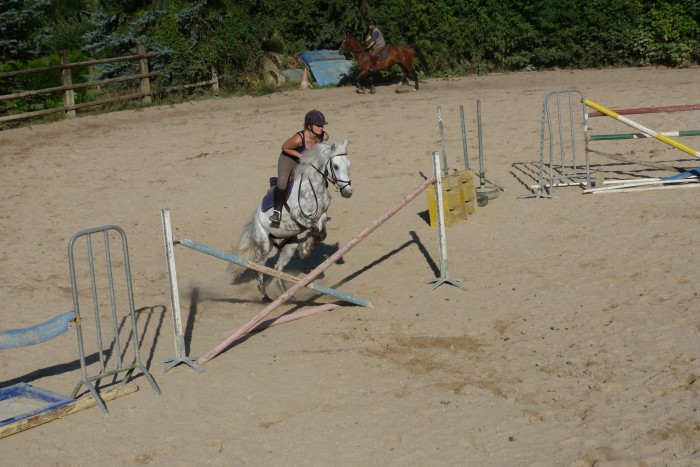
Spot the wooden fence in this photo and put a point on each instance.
(69, 106)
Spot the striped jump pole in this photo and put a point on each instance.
(642, 135)
(643, 129)
(649, 110)
(270, 271)
(257, 319)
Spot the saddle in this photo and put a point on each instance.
(384, 54)
(268, 201)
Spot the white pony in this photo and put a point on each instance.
(305, 209)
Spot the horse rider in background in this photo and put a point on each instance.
(375, 43)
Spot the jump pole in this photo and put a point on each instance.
(270, 271)
(642, 135)
(651, 183)
(294, 316)
(643, 129)
(442, 142)
(77, 405)
(246, 328)
(649, 110)
(482, 169)
(464, 138)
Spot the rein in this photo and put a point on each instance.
(356, 47)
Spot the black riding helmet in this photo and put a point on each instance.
(371, 23)
(314, 117)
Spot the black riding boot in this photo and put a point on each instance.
(276, 216)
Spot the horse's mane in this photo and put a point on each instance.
(316, 156)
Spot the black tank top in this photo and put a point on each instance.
(302, 147)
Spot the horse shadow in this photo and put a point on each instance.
(415, 240)
(323, 251)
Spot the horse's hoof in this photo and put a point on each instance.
(360, 91)
(372, 91)
(306, 248)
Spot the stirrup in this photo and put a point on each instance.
(276, 216)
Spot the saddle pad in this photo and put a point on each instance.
(268, 201)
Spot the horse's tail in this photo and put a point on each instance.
(245, 249)
(421, 59)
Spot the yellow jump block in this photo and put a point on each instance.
(458, 197)
(468, 187)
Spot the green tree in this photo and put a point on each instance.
(22, 29)
(457, 36)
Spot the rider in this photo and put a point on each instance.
(292, 150)
(375, 43)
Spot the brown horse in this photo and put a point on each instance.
(401, 55)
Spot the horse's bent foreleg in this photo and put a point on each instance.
(307, 246)
(307, 223)
(315, 237)
(322, 232)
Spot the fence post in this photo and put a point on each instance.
(66, 80)
(214, 80)
(143, 69)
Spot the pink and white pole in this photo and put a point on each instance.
(250, 325)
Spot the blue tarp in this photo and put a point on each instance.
(45, 400)
(12, 338)
(326, 66)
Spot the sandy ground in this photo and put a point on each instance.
(575, 343)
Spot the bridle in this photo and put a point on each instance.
(339, 184)
(347, 47)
